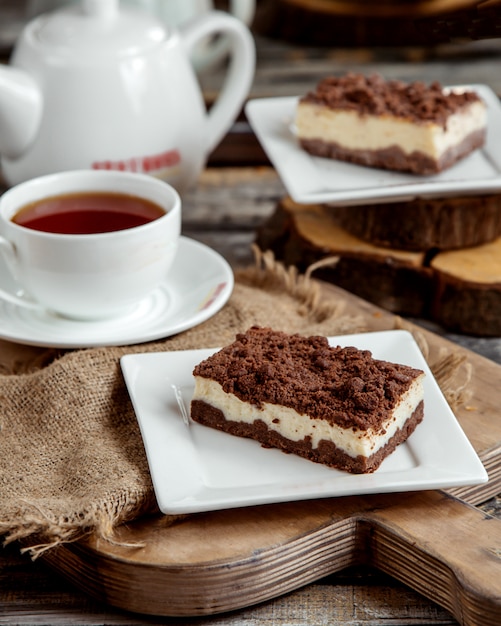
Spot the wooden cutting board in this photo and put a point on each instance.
(435, 542)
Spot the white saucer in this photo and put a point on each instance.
(311, 180)
(196, 468)
(198, 284)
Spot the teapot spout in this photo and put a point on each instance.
(20, 111)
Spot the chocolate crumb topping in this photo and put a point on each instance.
(373, 95)
(345, 386)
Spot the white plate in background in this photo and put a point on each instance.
(311, 180)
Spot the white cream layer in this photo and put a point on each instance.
(368, 132)
(295, 426)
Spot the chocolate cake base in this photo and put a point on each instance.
(393, 157)
(326, 453)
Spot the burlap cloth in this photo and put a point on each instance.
(71, 455)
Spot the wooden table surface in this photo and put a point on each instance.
(238, 190)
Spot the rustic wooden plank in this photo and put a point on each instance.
(232, 198)
(226, 208)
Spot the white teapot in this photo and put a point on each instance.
(97, 86)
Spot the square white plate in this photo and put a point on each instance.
(196, 468)
(311, 180)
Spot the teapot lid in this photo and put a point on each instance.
(93, 29)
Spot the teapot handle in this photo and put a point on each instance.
(240, 72)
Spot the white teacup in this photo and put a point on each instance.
(89, 276)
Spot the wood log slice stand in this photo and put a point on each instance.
(422, 259)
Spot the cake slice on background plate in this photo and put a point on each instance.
(409, 127)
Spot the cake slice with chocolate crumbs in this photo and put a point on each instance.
(410, 127)
(333, 405)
